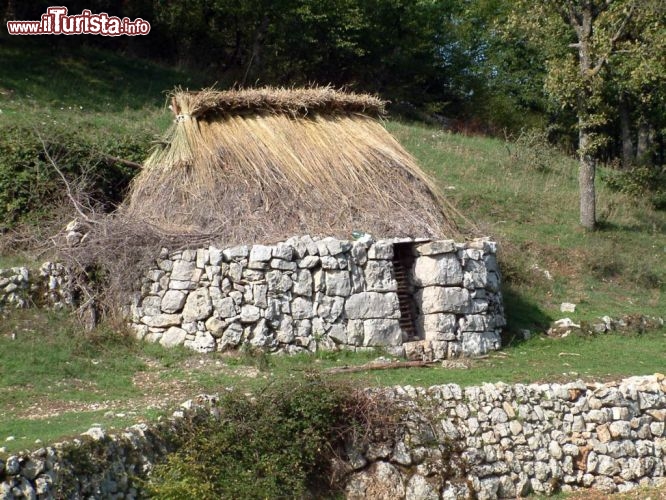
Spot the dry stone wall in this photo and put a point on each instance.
(504, 441)
(487, 442)
(50, 284)
(428, 299)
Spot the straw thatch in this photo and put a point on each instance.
(266, 164)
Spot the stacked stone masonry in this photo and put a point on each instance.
(50, 284)
(493, 441)
(306, 294)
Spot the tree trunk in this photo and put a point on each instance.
(627, 143)
(586, 170)
(644, 139)
(586, 174)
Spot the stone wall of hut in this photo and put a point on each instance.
(426, 299)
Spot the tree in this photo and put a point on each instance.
(580, 39)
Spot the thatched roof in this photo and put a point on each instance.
(265, 164)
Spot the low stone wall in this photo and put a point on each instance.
(21, 286)
(493, 441)
(503, 441)
(429, 299)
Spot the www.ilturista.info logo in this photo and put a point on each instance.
(57, 22)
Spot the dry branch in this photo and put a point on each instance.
(383, 366)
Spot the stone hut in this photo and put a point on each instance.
(323, 233)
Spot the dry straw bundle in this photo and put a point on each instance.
(261, 165)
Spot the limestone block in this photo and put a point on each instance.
(301, 308)
(203, 342)
(285, 333)
(231, 337)
(300, 249)
(308, 262)
(355, 332)
(338, 333)
(202, 258)
(359, 253)
(236, 253)
(249, 313)
(214, 256)
(382, 249)
(173, 301)
(303, 284)
(310, 245)
(283, 251)
(278, 282)
(165, 265)
(260, 295)
(250, 275)
(329, 262)
(183, 270)
(173, 336)
(437, 299)
(438, 326)
(435, 247)
(283, 265)
(303, 327)
(261, 253)
(381, 332)
(337, 283)
(162, 320)
(476, 275)
(198, 305)
(215, 326)
(475, 323)
(260, 336)
(367, 305)
(418, 488)
(226, 307)
(330, 308)
(357, 278)
(443, 270)
(379, 276)
(479, 343)
(151, 305)
(493, 283)
(235, 271)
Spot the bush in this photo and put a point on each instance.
(30, 186)
(533, 151)
(279, 444)
(642, 182)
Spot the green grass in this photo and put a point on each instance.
(30, 434)
(532, 209)
(53, 368)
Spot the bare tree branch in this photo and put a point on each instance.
(75, 203)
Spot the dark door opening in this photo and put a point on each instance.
(403, 262)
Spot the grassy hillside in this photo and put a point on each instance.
(524, 194)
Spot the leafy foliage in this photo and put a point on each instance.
(276, 444)
(29, 184)
(641, 182)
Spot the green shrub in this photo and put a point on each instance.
(278, 444)
(533, 151)
(30, 186)
(642, 182)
